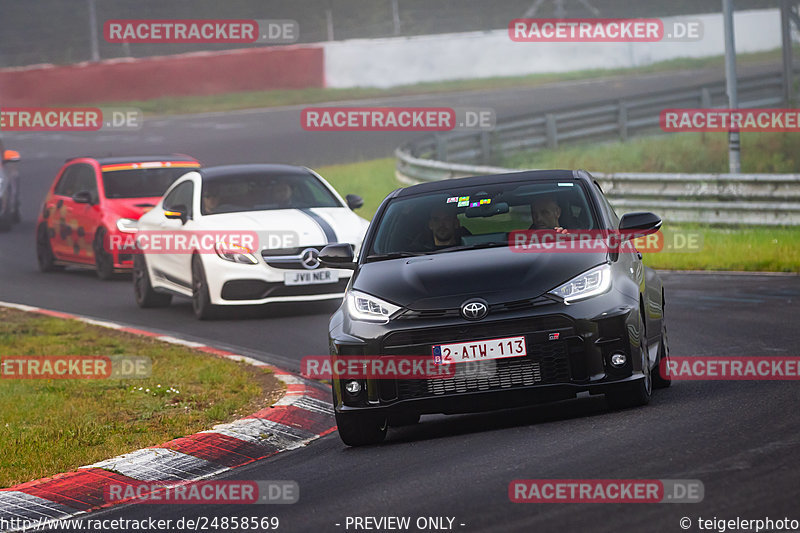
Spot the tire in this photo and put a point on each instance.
(361, 429)
(403, 419)
(104, 261)
(659, 380)
(201, 300)
(143, 292)
(44, 252)
(637, 393)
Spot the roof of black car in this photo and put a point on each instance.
(527, 175)
(261, 169)
(115, 160)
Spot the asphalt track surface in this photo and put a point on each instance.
(740, 438)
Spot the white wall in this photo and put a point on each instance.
(408, 60)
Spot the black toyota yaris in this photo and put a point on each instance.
(440, 275)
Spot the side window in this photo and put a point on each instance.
(611, 213)
(85, 180)
(66, 184)
(180, 195)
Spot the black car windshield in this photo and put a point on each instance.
(478, 217)
(253, 192)
(140, 182)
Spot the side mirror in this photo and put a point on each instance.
(339, 255)
(354, 201)
(10, 156)
(179, 212)
(82, 197)
(639, 224)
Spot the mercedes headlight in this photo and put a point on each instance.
(591, 283)
(127, 225)
(369, 308)
(235, 253)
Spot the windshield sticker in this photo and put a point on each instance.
(486, 201)
(565, 184)
(463, 201)
(452, 199)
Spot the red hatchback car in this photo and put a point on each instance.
(93, 199)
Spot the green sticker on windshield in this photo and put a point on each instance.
(463, 201)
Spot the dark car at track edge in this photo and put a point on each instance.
(577, 322)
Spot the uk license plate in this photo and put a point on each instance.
(312, 277)
(446, 354)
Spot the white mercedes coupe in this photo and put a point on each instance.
(244, 235)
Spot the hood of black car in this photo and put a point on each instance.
(446, 280)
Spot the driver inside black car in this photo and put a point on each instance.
(444, 230)
(545, 214)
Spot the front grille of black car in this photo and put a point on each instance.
(494, 309)
(547, 361)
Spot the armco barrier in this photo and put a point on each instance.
(754, 199)
(198, 73)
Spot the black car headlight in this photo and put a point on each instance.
(593, 282)
(361, 306)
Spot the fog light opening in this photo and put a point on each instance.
(353, 387)
(618, 360)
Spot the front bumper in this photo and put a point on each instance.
(569, 349)
(238, 284)
(491, 400)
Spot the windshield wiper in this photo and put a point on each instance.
(477, 246)
(392, 255)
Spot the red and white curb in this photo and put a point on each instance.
(301, 416)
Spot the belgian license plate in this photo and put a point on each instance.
(446, 354)
(312, 277)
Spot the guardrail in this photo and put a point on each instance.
(764, 199)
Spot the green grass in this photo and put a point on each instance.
(53, 426)
(754, 249)
(259, 99)
(674, 152)
(372, 180)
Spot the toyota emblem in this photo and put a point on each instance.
(474, 309)
(310, 258)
